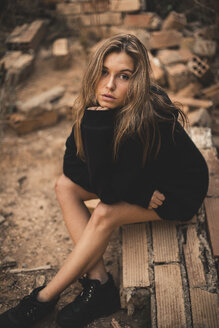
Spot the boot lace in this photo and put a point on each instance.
(88, 290)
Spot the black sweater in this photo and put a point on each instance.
(179, 172)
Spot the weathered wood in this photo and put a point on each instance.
(135, 256)
(165, 242)
(43, 267)
(192, 254)
(169, 296)
(61, 53)
(204, 309)
(27, 36)
(213, 189)
(212, 210)
(192, 102)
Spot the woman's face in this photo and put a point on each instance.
(113, 85)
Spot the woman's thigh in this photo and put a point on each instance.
(75, 188)
(124, 213)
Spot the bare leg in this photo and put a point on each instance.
(76, 216)
(93, 242)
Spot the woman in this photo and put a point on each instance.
(127, 149)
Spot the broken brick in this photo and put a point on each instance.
(175, 21)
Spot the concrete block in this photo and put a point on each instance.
(200, 69)
(61, 53)
(201, 137)
(192, 252)
(178, 76)
(69, 8)
(169, 296)
(211, 158)
(18, 66)
(27, 36)
(205, 48)
(165, 244)
(175, 21)
(147, 20)
(125, 5)
(165, 39)
(212, 210)
(204, 308)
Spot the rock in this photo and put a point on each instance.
(2, 219)
(8, 262)
(205, 48)
(27, 36)
(200, 117)
(61, 53)
(175, 21)
(40, 102)
(40, 280)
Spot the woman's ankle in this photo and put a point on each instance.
(42, 296)
(102, 277)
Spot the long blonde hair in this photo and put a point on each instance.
(139, 113)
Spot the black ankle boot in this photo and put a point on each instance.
(95, 301)
(27, 312)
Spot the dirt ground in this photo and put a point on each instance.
(32, 231)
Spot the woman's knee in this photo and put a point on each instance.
(64, 184)
(103, 216)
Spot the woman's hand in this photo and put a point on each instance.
(156, 200)
(98, 108)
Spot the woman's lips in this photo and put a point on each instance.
(108, 97)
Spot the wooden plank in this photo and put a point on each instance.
(165, 242)
(192, 254)
(212, 212)
(135, 256)
(169, 296)
(210, 156)
(204, 309)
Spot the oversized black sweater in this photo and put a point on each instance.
(179, 172)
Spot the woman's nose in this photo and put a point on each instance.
(111, 83)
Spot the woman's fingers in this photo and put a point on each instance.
(98, 108)
(156, 200)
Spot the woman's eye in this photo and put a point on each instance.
(104, 72)
(124, 77)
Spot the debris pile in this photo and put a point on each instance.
(182, 56)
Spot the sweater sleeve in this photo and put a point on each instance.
(114, 181)
(97, 135)
(73, 167)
